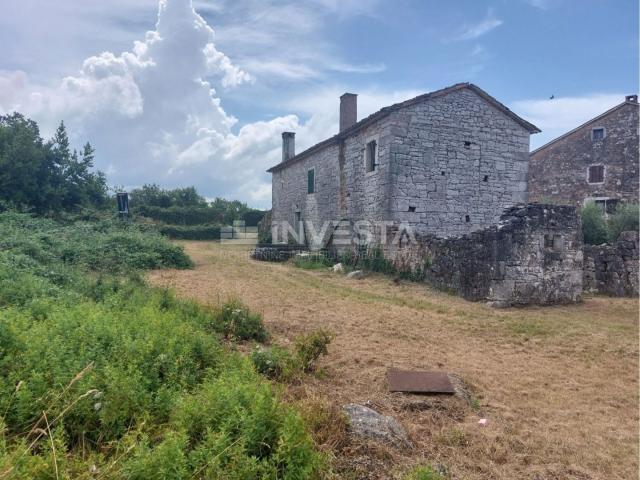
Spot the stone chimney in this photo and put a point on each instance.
(288, 145)
(631, 98)
(348, 110)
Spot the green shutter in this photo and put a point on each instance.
(311, 181)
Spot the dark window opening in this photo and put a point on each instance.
(596, 174)
(467, 218)
(442, 173)
(611, 205)
(370, 155)
(467, 144)
(554, 242)
(485, 178)
(412, 209)
(607, 205)
(311, 181)
(597, 134)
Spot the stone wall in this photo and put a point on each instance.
(612, 269)
(532, 256)
(446, 166)
(558, 172)
(457, 163)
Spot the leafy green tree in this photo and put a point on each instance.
(45, 176)
(594, 226)
(624, 219)
(24, 173)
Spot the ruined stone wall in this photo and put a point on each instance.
(612, 269)
(457, 163)
(558, 173)
(533, 256)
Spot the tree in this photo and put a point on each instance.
(594, 226)
(45, 176)
(624, 219)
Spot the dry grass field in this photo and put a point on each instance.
(557, 385)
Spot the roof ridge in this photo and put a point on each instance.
(596, 118)
(406, 103)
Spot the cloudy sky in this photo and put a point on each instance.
(197, 92)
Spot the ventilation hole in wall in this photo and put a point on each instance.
(442, 173)
(412, 209)
(467, 144)
(348, 194)
(467, 218)
(485, 178)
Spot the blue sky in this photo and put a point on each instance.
(203, 97)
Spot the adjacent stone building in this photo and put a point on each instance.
(596, 161)
(445, 163)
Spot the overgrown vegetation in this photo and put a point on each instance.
(373, 259)
(598, 229)
(313, 260)
(624, 219)
(182, 213)
(424, 473)
(105, 377)
(283, 364)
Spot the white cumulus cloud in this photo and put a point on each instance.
(155, 111)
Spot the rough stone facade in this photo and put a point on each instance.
(612, 269)
(559, 171)
(447, 163)
(532, 256)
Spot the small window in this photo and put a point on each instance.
(596, 174)
(370, 155)
(485, 178)
(611, 205)
(311, 181)
(554, 242)
(548, 241)
(467, 144)
(597, 134)
(467, 218)
(412, 209)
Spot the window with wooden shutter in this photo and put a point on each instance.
(596, 174)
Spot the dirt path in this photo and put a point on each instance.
(558, 385)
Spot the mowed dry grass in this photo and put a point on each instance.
(558, 385)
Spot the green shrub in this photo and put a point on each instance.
(373, 259)
(276, 363)
(594, 226)
(424, 473)
(279, 363)
(234, 320)
(625, 218)
(310, 347)
(194, 232)
(312, 261)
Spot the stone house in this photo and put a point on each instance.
(596, 161)
(444, 163)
